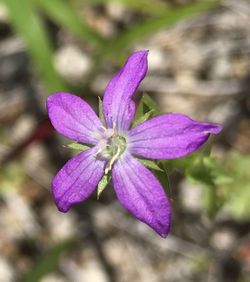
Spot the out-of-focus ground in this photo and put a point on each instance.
(200, 67)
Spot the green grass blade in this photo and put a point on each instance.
(48, 262)
(30, 27)
(63, 13)
(114, 49)
(165, 20)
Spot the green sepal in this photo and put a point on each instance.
(149, 104)
(146, 109)
(103, 183)
(143, 118)
(150, 164)
(78, 147)
(162, 176)
(100, 110)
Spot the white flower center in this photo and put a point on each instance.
(111, 146)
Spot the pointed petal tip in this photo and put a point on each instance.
(63, 204)
(215, 128)
(139, 58)
(55, 95)
(62, 208)
(163, 235)
(143, 54)
(163, 224)
(163, 232)
(163, 228)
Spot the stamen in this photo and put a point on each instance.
(110, 146)
(111, 162)
(109, 133)
(102, 144)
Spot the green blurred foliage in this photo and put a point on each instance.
(237, 193)
(11, 177)
(226, 181)
(49, 261)
(31, 28)
(26, 19)
(64, 14)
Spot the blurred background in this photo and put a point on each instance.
(199, 65)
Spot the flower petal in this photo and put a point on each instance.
(73, 117)
(141, 193)
(118, 106)
(77, 179)
(169, 136)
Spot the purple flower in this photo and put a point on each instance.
(114, 146)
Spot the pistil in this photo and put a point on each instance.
(111, 147)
